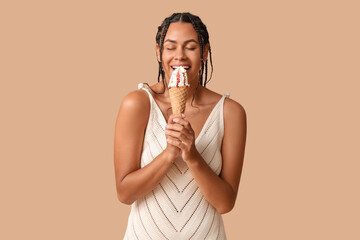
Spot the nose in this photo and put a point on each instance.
(180, 54)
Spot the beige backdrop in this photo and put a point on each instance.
(66, 66)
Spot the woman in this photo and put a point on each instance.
(179, 172)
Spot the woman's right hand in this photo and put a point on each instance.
(172, 151)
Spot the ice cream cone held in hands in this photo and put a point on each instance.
(178, 89)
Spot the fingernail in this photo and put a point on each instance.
(175, 119)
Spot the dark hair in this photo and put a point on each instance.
(203, 36)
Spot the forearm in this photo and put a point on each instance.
(142, 181)
(215, 190)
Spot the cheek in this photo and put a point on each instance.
(195, 57)
(166, 59)
(196, 65)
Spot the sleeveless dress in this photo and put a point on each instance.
(176, 209)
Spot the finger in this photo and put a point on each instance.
(175, 127)
(190, 133)
(173, 141)
(178, 144)
(183, 122)
(177, 115)
(172, 116)
(183, 136)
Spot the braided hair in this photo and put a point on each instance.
(203, 36)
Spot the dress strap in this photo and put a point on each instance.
(227, 94)
(140, 85)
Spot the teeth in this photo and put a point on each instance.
(185, 67)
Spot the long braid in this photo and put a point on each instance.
(206, 70)
(211, 67)
(159, 74)
(166, 26)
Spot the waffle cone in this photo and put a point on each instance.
(178, 99)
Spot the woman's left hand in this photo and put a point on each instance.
(182, 131)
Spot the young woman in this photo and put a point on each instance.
(179, 172)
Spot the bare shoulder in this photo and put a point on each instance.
(135, 109)
(135, 100)
(235, 122)
(233, 110)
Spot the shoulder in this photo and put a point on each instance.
(135, 100)
(135, 106)
(235, 120)
(233, 110)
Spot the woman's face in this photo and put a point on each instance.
(181, 48)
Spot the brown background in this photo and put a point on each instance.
(293, 65)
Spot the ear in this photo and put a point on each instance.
(206, 52)
(158, 52)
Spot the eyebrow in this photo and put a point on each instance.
(187, 41)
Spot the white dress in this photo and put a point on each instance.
(176, 209)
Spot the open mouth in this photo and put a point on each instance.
(184, 66)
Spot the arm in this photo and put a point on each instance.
(133, 182)
(219, 191)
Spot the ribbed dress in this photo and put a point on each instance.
(176, 209)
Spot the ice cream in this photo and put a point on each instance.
(178, 89)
